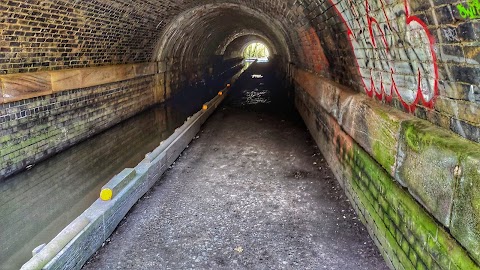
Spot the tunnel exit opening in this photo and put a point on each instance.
(256, 51)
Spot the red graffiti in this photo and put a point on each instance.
(392, 57)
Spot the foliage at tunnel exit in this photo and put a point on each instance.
(256, 50)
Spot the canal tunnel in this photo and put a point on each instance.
(388, 89)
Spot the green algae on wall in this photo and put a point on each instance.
(411, 232)
(429, 164)
(407, 235)
(465, 224)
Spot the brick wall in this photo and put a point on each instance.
(419, 57)
(33, 129)
(408, 237)
(40, 35)
(407, 178)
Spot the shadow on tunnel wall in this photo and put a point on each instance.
(193, 93)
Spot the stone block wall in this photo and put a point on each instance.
(406, 177)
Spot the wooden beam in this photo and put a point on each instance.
(21, 86)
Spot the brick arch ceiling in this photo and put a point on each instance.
(349, 41)
(234, 38)
(58, 34)
(196, 34)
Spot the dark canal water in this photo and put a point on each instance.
(37, 204)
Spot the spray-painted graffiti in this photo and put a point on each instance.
(471, 11)
(394, 50)
(450, 34)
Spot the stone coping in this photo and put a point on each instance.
(440, 169)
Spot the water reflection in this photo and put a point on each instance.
(37, 204)
(256, 96)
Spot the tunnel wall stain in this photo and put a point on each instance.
(405, 176)
(312, 52)
(20, 86)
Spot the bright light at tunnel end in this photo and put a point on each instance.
(256, 51)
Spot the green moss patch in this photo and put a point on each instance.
(466, 211)
(427, 163)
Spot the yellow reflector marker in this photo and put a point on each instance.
(220, 93)
(205, 107)
(106, 194)
(228, 85)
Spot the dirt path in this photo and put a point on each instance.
(251, 192)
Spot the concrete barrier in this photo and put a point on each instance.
(48, 252)
(80, 239)
(117, 184)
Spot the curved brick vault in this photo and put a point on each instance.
(198, 34)
(236, 43)
(367, 74)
